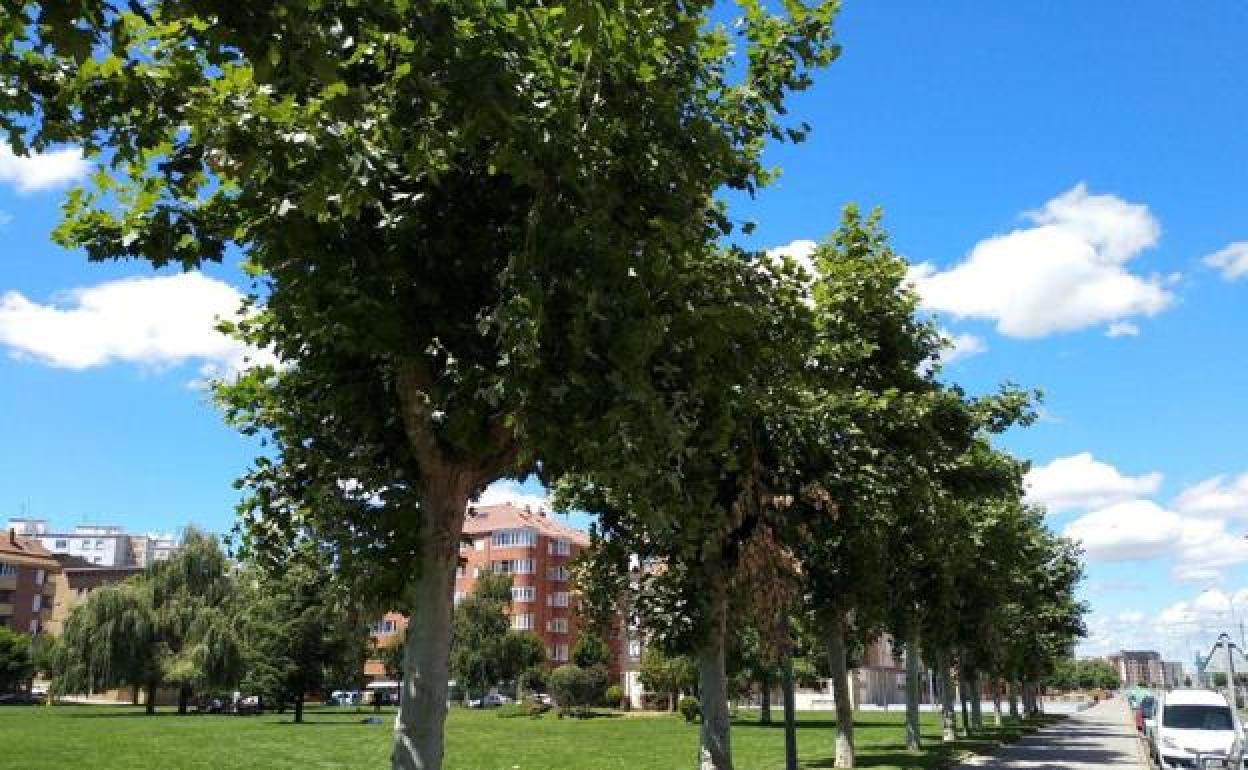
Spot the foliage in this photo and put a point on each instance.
(16, 663)
(297, 630)
(690, 708)
(480, 634)
(173, 624)
(615, 696)
(572, 688)
(1087, 674)
(590, 650)
(663, 673)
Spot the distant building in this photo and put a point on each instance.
(1172, 674)
(535, 550)
(76, 579)
(27, 587)
(99, 544)
(1139, 667)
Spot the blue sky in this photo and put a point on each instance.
(1061, 170)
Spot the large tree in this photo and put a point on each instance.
(16, 661)
(297, 628)
(467, 220)
(172, 625)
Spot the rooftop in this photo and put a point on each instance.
(483, 519)
(11, 544)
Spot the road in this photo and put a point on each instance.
(1101, 737)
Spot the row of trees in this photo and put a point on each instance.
(1090, 674)
(488, 240)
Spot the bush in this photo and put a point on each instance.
(690, 708)
(571, 687)
(615, 696)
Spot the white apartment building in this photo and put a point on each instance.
(98, 544)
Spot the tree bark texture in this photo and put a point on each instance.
(764, 708)
(418, 725)
(976, 692)
(151, 698)
(184, 697)
(299, 709)
(914, 741)
(997, 719)
(840, 692)
(713, 686)
(948, 717)
(964, 688)
(1012, 693)
(790, 716)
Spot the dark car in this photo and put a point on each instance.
(21, 699)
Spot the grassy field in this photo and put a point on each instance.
(123, 738)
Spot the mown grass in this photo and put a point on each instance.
(123, 738)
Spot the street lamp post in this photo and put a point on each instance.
(1230, 602)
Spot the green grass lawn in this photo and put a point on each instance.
(123, 738)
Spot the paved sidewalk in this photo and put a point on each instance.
(1100, 737)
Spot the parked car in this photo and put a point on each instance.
(1196, 729)
(493, 700)
(1148, 716)
(1143, 711)
(248, 705)
(21, 699)
(345, 698)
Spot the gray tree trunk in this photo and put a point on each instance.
(764, 706)
(840, 692)
(964, 689)
(790, 715)
(977, 714)
(948, 719)
(713, 686)
(914, 741)
(418, 725)
(1012, 693)
(996, 703)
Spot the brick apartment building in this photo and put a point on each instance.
(1139, 667)
(27, 588)
(535, 550)
(76, 579)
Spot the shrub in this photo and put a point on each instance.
(690, 708)
(615, 696)
(571, 687)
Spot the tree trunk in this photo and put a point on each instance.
(840, 692)
(151, 697)
(764, 708)
(997, 720)
(134, 694)
(673, 699)
(418, 725)
(299, 709)
(977, 714)
(1011, 691)
(184, 696)
(790, 716)
(948, 719)
(713, 686)
(914, 741)
(963, 690)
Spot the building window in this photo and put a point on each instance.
(459, 597)
(6, 597)
(557, 625)
(523, 593)
(99, 544)
(634, 648)
(36, 603)
(513, 567)
(39, 577)
(557, 573)
(478, 544)
(522, 621)
(559, 653)
(461, 571)
(61, 545)
(559, 547)
(34, 625)
(514, 538)
(8, 570)
(476, 572)
(557, 599)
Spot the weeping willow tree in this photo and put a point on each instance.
(171, 626)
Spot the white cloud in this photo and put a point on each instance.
(158, 322)
(1205, 549)
(1128, 531)
(1080, 481)
(42, 171)
(800, 251)
(1219, 496)
(963, 346)
(1122, 329)
(1066, 272)
(511, 492)
(1232, 261)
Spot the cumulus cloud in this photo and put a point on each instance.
(1068, 271)
(963, 346)
(1128, 531)
(1215, 497)
(800, 251)
(512, 492)
(1232, 261)
(1080, 481)
(158, 322)
(42, 171)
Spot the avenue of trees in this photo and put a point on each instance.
(488, 240)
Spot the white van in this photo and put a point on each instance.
(1196, 729)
